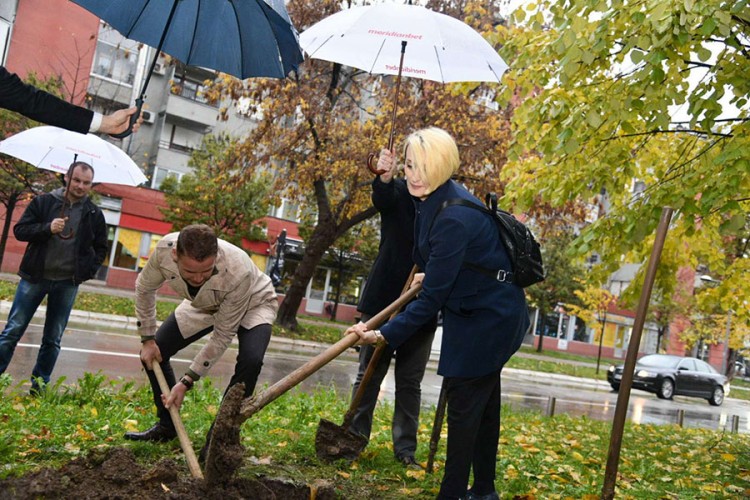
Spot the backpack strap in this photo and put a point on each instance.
(500, 275)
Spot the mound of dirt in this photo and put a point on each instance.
(114, 474)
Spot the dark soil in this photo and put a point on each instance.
(114, 474)
(334, 442)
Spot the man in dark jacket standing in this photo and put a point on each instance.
(62, 251)
(384, 284)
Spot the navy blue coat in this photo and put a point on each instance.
(41, 106)
(484, 321)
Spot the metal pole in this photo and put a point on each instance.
(601, 339)
(726, 343)
(623, 396)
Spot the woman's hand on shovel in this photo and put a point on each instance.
(365, 336)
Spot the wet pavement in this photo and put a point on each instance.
(114, 351)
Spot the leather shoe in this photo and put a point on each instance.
(158, 434)
(409, 462)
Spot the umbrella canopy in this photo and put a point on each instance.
(438, 47)
(248, 38)
(53, 148)
(242, 38)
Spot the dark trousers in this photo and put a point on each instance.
(411, 359)
(473, 434)
(252, 348)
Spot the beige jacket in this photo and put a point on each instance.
(238, 294)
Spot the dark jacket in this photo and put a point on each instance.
(394, 261)
(484, 321)
(34, 227)
(38, 105)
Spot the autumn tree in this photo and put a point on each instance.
(594, 302)
(318, 126)
(222, 191)
(620, 95)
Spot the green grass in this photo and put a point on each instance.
(539, 457)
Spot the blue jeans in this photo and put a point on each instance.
(60, 298)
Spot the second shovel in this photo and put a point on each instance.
(333, 442)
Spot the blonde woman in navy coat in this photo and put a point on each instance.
(484, 320)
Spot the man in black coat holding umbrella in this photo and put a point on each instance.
(15, 95)
(384, 284)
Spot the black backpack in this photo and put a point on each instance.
(523, 250)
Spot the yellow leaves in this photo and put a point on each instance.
(410, 492)
(130, 425)
(728, 457)
(343, 474)
(94, 412)
(577, 456)
(416, 474)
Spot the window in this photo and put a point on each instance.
(288, 210)
(4, 31)
(191, 89)
(132, 248)
(115, 63)
(161, 173)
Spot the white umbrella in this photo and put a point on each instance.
(53, 148)
(439, 47)
(392, 39)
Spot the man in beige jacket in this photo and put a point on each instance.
(224, 292)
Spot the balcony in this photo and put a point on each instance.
(190, 109)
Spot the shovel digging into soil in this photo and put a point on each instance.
(225, 451)
(187, 447)
(333, 442)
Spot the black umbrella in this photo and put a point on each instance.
(249, 38)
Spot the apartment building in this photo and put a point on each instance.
(104, 71)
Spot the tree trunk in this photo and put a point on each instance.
(314, 250)
(10, 206)
(339, 280)
(541, 332)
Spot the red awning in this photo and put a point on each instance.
(146, 225)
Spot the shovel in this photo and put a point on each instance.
(332, 441)
(224, 455)
(437, 427)
(187, 447)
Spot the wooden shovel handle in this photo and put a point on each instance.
(374, 359)
(187, 447)
(260, 400)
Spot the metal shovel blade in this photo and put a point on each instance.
(334, 442)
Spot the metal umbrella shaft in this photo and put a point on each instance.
(371, 156)
(139, 100)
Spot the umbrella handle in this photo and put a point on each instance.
(133, 118)
(370, 158)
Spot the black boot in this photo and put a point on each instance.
(158, 433)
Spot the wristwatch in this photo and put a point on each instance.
(187, 382)
(378, 337)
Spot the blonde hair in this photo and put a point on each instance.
(435, 156)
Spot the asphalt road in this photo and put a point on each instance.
(115, 353)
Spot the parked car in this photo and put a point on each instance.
(666, 376)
